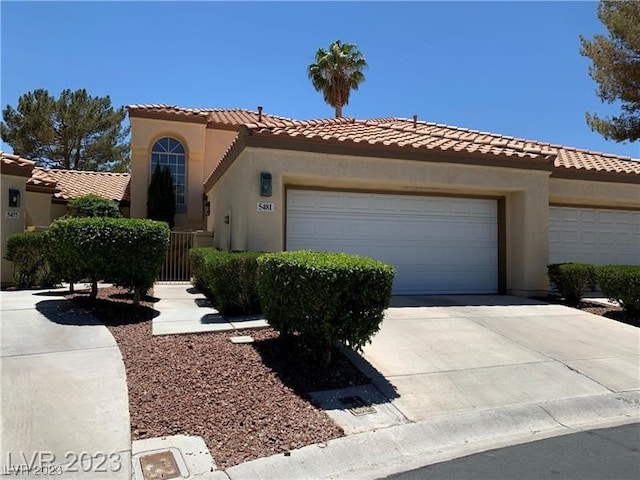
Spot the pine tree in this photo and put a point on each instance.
(75, 131)
(616, 68)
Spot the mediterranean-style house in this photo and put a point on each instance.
(454, 210)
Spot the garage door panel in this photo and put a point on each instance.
(436, 244)
(591, 235)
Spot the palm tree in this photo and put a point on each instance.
(336, 72)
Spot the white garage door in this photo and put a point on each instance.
(436, 244)
(594, 235)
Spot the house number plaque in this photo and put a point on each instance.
(265, 207)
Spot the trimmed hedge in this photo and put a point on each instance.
(229, 279)
(572, 279)
(324, 297)
(200, 279)
(27, 251)
(622, 284)
(92, 205)
(127, 252)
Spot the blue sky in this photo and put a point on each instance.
(505, 67)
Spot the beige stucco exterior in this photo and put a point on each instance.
(39, 209)
(525, 194)
(204, 147)
(10, 222)
(594, 194)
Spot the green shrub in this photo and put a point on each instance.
(229, 279)
(27, 251)
(621, 283)
(200, 275)
(572, 279)
(127, 252)
(66, 261)
(137, 249)
(324, 297)
(91, 205)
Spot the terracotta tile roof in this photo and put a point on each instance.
(577, 159)
(15, 165)
(404, 133)
(212, 116)
(42, 184)
(72, 183)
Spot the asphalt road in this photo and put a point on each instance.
(611, 453)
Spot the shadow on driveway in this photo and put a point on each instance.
(402, 301)
(94, 312)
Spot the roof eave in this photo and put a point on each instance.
(195, 117)
(595, 175)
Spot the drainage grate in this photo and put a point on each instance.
(159, 466)
(357, 406)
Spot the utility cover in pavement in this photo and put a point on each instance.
(358, 409)
(159, 466)
(190, 455)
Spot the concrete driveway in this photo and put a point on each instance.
(444, 355)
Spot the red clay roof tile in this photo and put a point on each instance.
(15, 163)
(212, 116)
(73, 183)
(404, 133)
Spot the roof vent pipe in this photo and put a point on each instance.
(415, 121)
(259, 113)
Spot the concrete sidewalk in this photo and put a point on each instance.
(183, 309)
(65, 407)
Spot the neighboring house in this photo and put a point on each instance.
(74, 183)
(454, 210)
(15, 173)
(33, 197)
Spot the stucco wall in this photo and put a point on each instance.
(11, 225)
(526, 194)
(39, 208)
(594, 194)
(204, 148)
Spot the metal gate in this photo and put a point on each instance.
(176, 266)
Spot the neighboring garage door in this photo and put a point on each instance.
(436, 244)
(594, 235)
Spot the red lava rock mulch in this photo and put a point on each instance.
(246, 400)
(608, 311)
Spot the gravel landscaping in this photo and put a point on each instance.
(245, 400)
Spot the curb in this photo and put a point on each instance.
(377, 454)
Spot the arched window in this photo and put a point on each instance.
(169, 152)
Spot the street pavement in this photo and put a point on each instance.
(612, 454)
